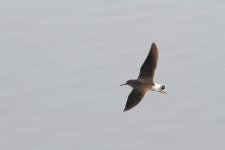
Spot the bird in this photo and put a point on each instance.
(144, 82)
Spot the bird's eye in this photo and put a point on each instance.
(163, 87)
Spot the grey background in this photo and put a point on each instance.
(62, 62)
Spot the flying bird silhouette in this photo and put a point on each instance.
(144, 82)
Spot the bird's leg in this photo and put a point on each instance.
(163, 92)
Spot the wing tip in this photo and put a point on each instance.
(125, 109)
(154, 45)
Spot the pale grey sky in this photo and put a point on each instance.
(62, 63)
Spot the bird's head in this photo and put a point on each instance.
(129, 82)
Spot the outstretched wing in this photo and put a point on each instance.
(148, 68)
(134, 98)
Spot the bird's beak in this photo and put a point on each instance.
(123, 84)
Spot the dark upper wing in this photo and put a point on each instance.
(150, 63)
(133, 99)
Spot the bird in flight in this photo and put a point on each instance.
(144, 82)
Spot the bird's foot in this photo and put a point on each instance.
(163, 92)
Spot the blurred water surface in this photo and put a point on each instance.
(62, 62)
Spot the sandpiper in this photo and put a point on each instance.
(144, 82)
